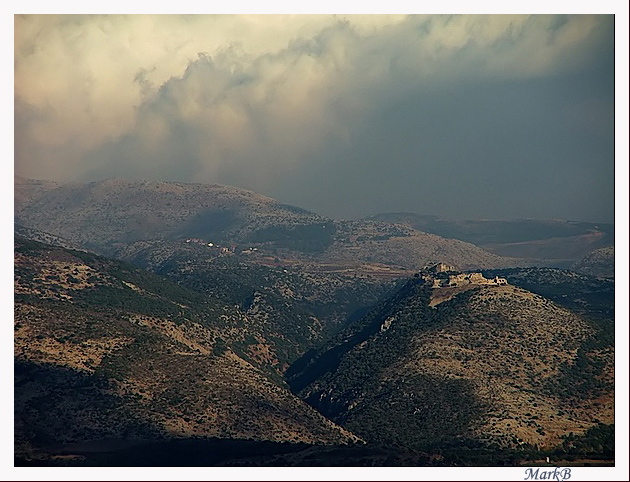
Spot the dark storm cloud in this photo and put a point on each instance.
(536, 148)
(466, 116)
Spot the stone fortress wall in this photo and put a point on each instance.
(442, 275)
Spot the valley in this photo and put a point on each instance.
(170, 318)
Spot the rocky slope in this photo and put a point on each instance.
(28, 190)
(587, 295)
(106, 351)
(490, 364)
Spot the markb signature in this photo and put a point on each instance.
(555, 474)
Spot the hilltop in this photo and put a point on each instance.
(456, 358)
(105, 213)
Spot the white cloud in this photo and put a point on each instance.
(131, 94)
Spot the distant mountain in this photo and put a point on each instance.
(103, 214)
(547, 242)
(121, 218)
(454, 359)
(407, 247)
(599, 262)
(27, 190)
(106, 351)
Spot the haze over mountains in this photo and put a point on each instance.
(244, 321)
(114, 214)
(467, 116)
(550, 242)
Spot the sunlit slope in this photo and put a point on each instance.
(494, 364)
(104, 350)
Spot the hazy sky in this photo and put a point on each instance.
(462, 116)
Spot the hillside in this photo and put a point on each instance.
(106, 351)
(46, 238)
(230, 320)
(464, 363)
(599, 262)
(406, 247)
(105, 213)
(551, 243)
(591, 296)
(120, 218)
(28, 190)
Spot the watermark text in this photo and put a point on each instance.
(555, 474)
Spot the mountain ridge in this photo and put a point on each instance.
(552, 243)
(111, 216)
(477, 366)
(230, 315)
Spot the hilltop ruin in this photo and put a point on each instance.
(447, 281)
(442, 275)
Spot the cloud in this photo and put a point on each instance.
(258, 100)
(88, 76)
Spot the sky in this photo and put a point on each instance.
(469, 117)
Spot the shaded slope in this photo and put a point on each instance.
(493, 364)
(104, 350)
(287, 309)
